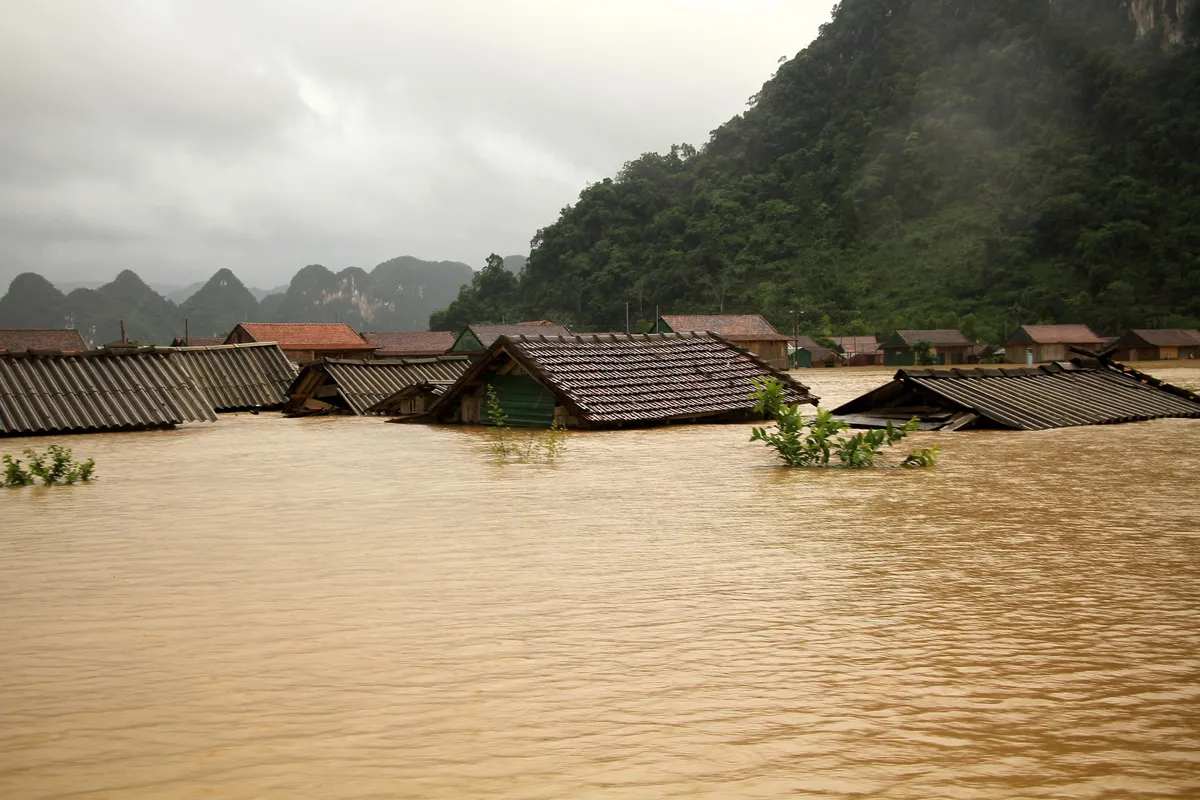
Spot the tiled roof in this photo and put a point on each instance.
(487, 334)
(638, 379)
(363, 384)
(237, 377)
(306, 335)
(100, 390)
(943, 337)
(198, 341)
(1166, 337)
(1081, 392)
(734, 327)
(412, 343)
(1060, 334)
(17, 340)
(860, 345)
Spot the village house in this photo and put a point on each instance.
(1166, 344)
(860, 351)
(305, 341)
(477, 338)
(1039, 344)
(611, 381)
(337, 386)
(239, 377)
(809, 353)
(749, 331)
(409, 344)
(1083, 391)
(19, 340)
(948, 346)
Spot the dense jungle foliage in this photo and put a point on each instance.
(923, 164)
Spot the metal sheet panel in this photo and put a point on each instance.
(98, 391)
(364, 384)
(241, 376)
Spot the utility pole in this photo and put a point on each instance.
(122, 331)
(656, 315)
(186, 340)
(626, 318)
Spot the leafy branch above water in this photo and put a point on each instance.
(813, 444)
(506, 445)
(54, 466)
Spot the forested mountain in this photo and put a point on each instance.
(973, 163)
(397, 295)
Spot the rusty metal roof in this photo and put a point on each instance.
(734, 327)
(944, 337)
(1058, 395)
(16, 340)
(1056, 334)
(1165, 337)
(363, 384)
(617, 379)
(237, 377)
(99, 390)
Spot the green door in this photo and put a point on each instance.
(524, 401)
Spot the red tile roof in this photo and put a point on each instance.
(734, 327)
(410, 343)
(17, 340)
(1061, 334)
(305, 335)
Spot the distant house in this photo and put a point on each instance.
(197, 341)
(948, 346)
(305, 341)
(751, 331)
(19, 340)
(409, 344)
(477, 338)
(809, 353)
(611, 381)
(1039, 344)
(336, 386)
(860, 351)
(1167, 344)
(1083, 391)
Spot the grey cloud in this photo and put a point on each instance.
(178, 136)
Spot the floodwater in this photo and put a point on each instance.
(341, 608)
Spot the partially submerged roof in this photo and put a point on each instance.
(197, 341)
(819, 351)
(734, 327)
(394, 344)
(391, 405)
(486, 335)
(1166, 337)
(614, 380)
(857, 345)
(1058, 395)
(237, 377)
(1056, 334)
(304, 335)
(943, 337)
(17, 340)
(362, 384)
(99, 390)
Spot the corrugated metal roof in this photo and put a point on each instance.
(1165, 337)
(734, 327)
(363, 384)
(637, 379)
(1063, 394)
(98, 391)
(241, 376)
(945, 337)
(1056, 334)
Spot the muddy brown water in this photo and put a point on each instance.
(340, 608)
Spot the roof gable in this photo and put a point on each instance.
(942, 337)
(1166, 337)
(363, 384)
(486, 335)
(1056, 334)
(305, 335)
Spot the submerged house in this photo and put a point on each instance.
(409, 344)
(750, 331)
(240, 377)
(611, 381)
(1058, 395)
(1038, 344)
(1167, 344)
(334, 386)
(98, 390)
(810, 353)
(477, 338)
(948, 346)
(305, 341)
(51, 340)
(860, 351)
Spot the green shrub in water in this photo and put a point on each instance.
(815, 443)
(54, 466)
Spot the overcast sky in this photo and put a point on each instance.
(175, 137)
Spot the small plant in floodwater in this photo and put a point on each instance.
(535, 446)
(54, 466)
(815, 443)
